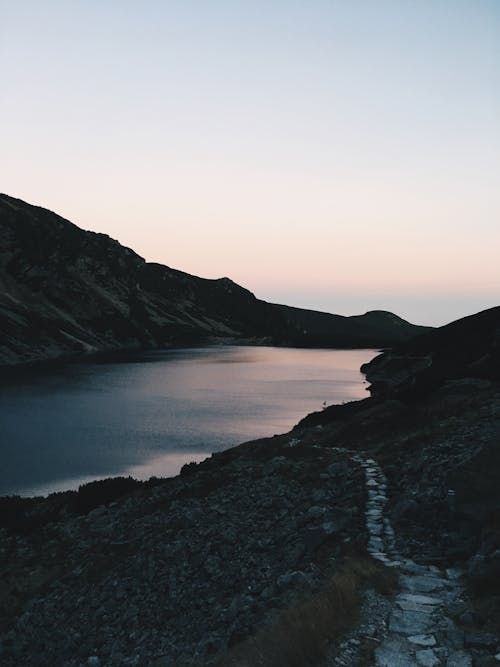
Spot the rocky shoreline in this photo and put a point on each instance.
(276, 552)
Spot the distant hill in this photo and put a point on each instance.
(466, 348)
(66, 292)
(377, 328)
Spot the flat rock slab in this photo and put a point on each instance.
(419, 599)
(423, 640)
(394, 652)
(427, 658)
(380, 556)
(375, 544)
(411, 622)
(422, 583)
(414, 606)
(414, 568)
(375, 528)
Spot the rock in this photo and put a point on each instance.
(420, 599)
(376, 544)
(412, 567)
(395, 652)
(427, 658)
(422, 640)
(410, 622)
(292, 578)
(375, 528)
(315, 512)
(454, 573)
(421, 583)
(330, 527)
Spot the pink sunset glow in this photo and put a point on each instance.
(341, 156)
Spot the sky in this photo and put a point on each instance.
(340, 156)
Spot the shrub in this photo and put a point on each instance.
(102, 492)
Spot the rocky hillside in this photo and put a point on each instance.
(64, 292)
(469, 347)
(367, 536)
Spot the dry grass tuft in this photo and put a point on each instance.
(302, 635)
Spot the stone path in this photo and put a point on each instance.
(419, 632)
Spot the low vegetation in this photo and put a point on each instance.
(303, 634)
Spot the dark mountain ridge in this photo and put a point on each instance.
(67, 292)
(466, 348)
(313, 327)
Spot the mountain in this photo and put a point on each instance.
(67, 292)
(466, 348)
(377, 328)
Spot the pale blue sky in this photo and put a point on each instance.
(333, 155)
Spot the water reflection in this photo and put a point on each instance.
(150, 414)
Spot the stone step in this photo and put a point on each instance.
(375, 528)
(423, 640)
(395, 652)
(422, 583)
(419, 599)
(411, 623)
(376, 544)
(427, 657)
(414, 606)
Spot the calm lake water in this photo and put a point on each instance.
(150, 414)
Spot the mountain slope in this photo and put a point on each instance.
(469, 347)
(65, 291)
(376, 328)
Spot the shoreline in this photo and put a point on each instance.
(167, 466)
(116, 354)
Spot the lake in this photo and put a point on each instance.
(151, 413)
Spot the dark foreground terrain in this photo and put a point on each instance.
(369, 535)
